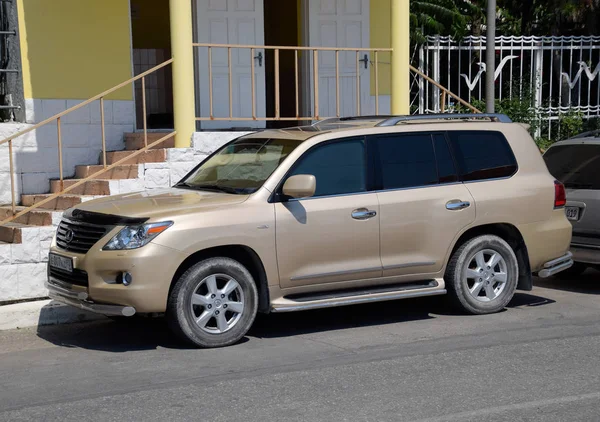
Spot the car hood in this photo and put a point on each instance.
(156, 203)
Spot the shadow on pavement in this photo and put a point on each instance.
(588, 282)
(151, 333)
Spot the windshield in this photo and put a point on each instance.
(575, 165)
(240, 167)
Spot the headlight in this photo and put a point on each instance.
(133, 237)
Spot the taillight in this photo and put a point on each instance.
(560, 195)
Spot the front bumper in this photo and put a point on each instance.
(96, 286)
(65, 294)
(557, 265)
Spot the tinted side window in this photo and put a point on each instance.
(482, 155)
(338, 167)
(404, 161)
(446, 168)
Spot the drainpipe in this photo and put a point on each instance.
(490, 57)
(400, 12)
(184, 108)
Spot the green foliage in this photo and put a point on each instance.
(440, 17)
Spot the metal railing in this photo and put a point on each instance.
(105, 167)
(423, 78)
(302, 66)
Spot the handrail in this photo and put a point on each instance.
(57, 117)
(86, 102)
(444, 91)
(359, 64)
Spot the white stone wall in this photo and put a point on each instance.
(23, 266)
(35, 155)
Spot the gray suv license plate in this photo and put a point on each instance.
(572, 213)
(62, 263)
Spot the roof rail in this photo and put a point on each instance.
(393, 121)
(352, 119)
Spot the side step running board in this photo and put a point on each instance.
(352, 297)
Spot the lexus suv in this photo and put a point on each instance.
(342, 212)
(576, 162)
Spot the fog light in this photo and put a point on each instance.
(126, 278)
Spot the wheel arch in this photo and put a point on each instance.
(245, 255)
(511, 234)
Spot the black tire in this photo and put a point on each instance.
(575, 270)
(181, 315)
(457, 284)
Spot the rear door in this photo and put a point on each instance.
(422, 203)
(578, 167)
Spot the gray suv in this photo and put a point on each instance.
(576, 163)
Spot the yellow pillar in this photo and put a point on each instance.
(400, 56)
(184, 107)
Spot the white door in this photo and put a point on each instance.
(341, 23)
(230, 22)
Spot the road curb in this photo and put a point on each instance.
(41, 312)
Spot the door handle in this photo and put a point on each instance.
(259, 57)
(365, 60)
(363, 214)
(457, 204)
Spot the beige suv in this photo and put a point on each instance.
(342, 212)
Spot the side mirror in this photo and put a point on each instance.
(300, 186)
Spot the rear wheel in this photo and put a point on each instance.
(214, 303)
(482, 275)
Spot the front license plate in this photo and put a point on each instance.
(572, 213)
(62, 263)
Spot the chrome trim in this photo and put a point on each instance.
(60, 288)
(307, 277)
(387, 190)
(556, 265)
(78, 300)
(363, 214)
(411, 264)
(557, 261)
(457, 205)
(354, 300)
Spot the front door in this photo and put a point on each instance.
(230, 22)
(334, 235)
(422, 204)
(341, 23)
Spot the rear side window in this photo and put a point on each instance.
(409, 160)
(575, 165)
(482, 155)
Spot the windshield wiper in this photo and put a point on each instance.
(211, 187)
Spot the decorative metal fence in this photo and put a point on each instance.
(557, 76)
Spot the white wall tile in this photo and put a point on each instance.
(80, 116)
(8, 282)
(95, 112)
(52, 107)
(157, 178)
(31, 279)
(5, 254)
(123, 112)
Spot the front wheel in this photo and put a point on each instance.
(482, 275)
(214, 303)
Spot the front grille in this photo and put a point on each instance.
(77, 236)
(77, 277)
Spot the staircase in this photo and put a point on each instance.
(49, 213)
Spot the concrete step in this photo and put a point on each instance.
(92, 187)
(11, 233)
(150, 156)
(135, 140)
(62, 202)
(119, 172)
(35, 217)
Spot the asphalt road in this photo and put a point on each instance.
(413, 360)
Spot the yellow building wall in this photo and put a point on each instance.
(75, 49)
(380, 22)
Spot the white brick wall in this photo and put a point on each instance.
(35, 154)
(23, 266)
